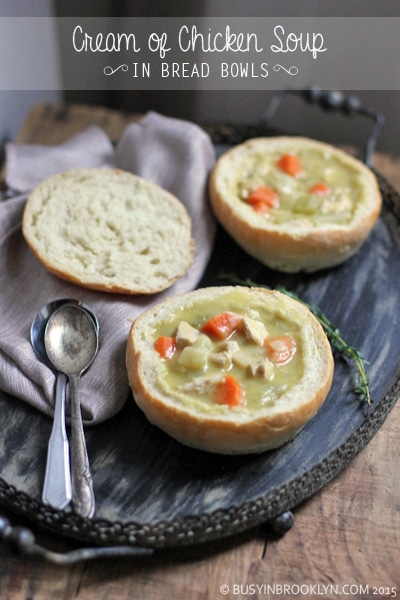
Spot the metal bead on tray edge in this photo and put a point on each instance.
(282, 523)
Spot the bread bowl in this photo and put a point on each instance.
(294, 203)
(184, 384)
(109, 230)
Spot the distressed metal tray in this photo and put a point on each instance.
(153, 493)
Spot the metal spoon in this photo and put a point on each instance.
(57, 482)
(71, 343)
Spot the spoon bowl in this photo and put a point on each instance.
(40, 321)
(71, 340)
(71, 343)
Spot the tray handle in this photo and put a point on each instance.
(332, 100)
(22, 541)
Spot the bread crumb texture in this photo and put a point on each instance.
(109, 230)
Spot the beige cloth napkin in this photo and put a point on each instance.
(173, 153)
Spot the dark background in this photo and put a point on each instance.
(216, 106)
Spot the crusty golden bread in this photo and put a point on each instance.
(109, 230)
(187, 414)
(319, 215)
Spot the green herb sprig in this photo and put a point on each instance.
(337, 342)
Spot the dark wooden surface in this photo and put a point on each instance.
(347, 534)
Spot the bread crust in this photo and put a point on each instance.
(284, 248)
(51, 198)
(231, 432)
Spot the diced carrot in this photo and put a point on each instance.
(260, 207)
(290, 164)
(319, 188)
(222, 325)
(280, 349)
(165, 346)
(263, 195)
(229, 391)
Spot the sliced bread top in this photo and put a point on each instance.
(109, 230)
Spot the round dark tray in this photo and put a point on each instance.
(153, 492)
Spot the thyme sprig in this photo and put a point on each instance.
(336, 340)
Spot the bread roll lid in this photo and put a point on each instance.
(192, 420)
(109, 230)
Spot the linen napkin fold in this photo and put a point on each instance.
(171, 152)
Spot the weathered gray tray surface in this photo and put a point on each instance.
(153, 492)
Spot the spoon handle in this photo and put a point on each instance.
(57, 480)
(82, 485)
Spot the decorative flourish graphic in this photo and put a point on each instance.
(110, 71)
(291, 71)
